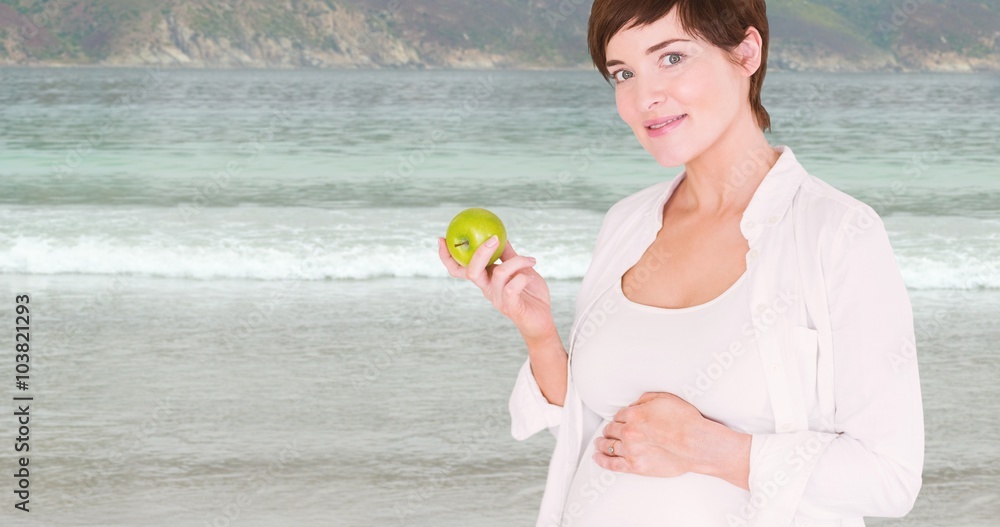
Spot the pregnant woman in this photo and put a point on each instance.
(743, 349)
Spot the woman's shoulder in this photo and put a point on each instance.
(834, 219)
(820, 201)
(818, 193)
(816, 198)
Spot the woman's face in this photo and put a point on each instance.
(687, 79)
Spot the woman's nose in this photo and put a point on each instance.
(651, 93)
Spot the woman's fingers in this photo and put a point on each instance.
(614, 430)
(512, 292)
(508, 252)
(602, 444)
(502, 273)
(503, 284)
(480, 259)
(454, 268)
(507, 290)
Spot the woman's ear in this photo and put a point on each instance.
(748, 52)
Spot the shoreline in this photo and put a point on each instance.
(994, 68)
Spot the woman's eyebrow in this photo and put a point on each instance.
(652, 49)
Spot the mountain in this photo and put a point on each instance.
(831, 35)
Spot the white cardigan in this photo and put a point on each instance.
(834, 328)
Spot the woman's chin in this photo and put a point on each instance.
(669, 159)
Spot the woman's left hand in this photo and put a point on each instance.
(662, 435)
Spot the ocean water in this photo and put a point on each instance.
(239, 318)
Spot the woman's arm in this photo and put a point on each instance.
(533, 407)
(548, 360)
(530, 411)
(872, 465)
(539, 393)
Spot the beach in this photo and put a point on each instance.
(239, 318)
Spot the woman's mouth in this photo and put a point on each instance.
(659, 127)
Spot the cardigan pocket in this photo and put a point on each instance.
(805, 346)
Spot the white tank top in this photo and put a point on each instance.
(704, 354)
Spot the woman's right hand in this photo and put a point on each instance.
(513, 287)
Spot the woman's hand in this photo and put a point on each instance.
(513, 287)
(662, 435)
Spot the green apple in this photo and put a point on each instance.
(471, 228)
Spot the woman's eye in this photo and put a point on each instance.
(622, 75)
(672, 58)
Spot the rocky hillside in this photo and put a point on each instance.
(838, 35)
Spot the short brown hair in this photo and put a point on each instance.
(723, 23)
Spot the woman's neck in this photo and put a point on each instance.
(721, 181)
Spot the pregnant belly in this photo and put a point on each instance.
(600, 497)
